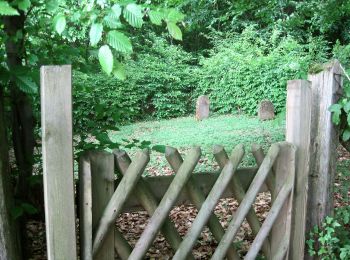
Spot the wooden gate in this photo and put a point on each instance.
(308, 127)
(100, 204)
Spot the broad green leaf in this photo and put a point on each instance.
(119, 41)
(348, 119)
(119, 71)
(112, 21)
(346, 107)
(159, 148)
(174, 31)
(336, 112)
(95, 33)
(26, 84)
(17, 212)
(156, 17)
(133, 15)
(6, 9)
(335, 108)
(59, 23)
(105, 57)
(51, 5)
(103, 138)
(29, 208)
(175, 16)
(24, 5)
(117, 10)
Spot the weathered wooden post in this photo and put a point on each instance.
(326, 87)
(57, 150)
(298, 132)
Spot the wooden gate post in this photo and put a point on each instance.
(326, 87)
(298, 132)
(57, 150)
(102, 189)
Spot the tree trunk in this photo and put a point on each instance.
(9, 240)
(22, 117)
(22, 111)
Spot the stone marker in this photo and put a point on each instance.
(202, 108)
(266, 110)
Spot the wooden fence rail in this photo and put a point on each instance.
(280, 155)
(298, 173)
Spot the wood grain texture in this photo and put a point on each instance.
(246, 203)
(85, 208)
(259, 156)
(197, 197)
(285, 172)
(238, 193)
(298, 132)
(326, 88)
(165, 205)
(119, 197)
(102, 188)
(204, 181)
(270, 219)
(209, 204)
(57, 150)
(148, 201)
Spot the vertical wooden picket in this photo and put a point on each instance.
(281, 230)
(326, 88)
(102, 188)
(298, 132)
(57, 150)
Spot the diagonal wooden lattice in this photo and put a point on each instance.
(276, 170)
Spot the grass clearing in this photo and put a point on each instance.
(186, 132)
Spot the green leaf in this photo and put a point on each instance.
(103, 138)
(119, 41)
(346, 135)
(159, 148)
(17, 212)
(26, 84)
(24, 5)
(51, 5)
(175, 16)
(112, 21)
(156, 17)
(59, 23)
(95, 33)
(29, 208)
(133, 15)
(347, 107)
(6, 9)
(105, 57)
(117, 10)
(336, 110)
(119, 71)
(174, 31)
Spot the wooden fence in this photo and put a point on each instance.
(100, 204)
(298, 173)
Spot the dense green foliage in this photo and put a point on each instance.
(160, 80)
(237, 52)
(246, 68)
(331, 240)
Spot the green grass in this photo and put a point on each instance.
(186, 132)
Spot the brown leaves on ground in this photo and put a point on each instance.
(133, 224)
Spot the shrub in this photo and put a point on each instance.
(159, 83)
(245, 68)
(331, 239)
